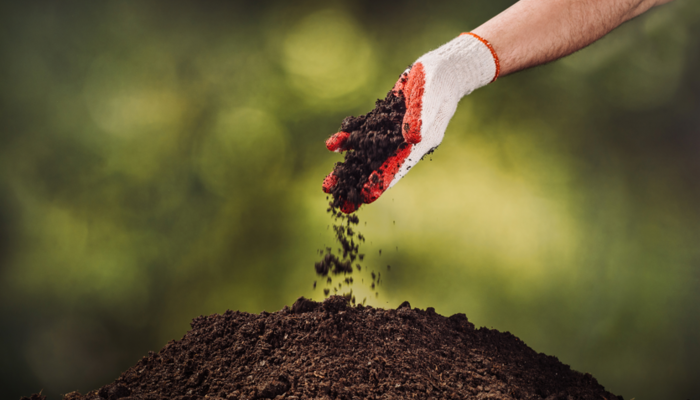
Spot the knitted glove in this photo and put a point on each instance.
(432, 88)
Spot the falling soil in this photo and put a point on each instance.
(348, 252)
(331, 350)
(374, 137)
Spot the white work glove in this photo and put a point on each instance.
(432, 88)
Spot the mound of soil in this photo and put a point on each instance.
(374, 137)
(331, 350)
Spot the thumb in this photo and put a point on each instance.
(413, 89)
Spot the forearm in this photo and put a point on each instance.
(534, 32)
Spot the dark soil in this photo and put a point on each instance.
(374, 137)
(330, 350)
(349, 250)
(344, 227)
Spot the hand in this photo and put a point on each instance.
(432, 88)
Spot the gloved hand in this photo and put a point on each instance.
(432, 88)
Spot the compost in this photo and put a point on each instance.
(333, 350)
(331, 265)
(374, 137)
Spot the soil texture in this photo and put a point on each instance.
(332, 350)
(374, 137)
(348, 240)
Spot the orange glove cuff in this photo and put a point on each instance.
(493, 52)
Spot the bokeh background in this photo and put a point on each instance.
(162, 160)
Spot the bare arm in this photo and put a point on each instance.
(533, 32)
(529, 33)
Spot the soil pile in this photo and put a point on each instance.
(331, 350)
(374, 137)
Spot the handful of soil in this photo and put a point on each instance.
(330, 350)
(374, 137)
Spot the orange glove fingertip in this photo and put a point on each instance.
(337, 142)
(329, 181)
(348, 207)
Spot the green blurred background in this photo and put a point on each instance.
(162, 160)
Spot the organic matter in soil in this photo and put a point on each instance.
(332, 350)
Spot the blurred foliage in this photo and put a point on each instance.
(162, 160)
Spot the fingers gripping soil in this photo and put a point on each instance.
(374, 138)
(337, 142)
(380, 179)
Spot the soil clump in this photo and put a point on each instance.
(332, 350)
(374, 137)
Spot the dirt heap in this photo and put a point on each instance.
(331, 350)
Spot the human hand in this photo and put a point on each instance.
(431, 89)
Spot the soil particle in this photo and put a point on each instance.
(374, 137)
(342, 262)
(332, 350)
